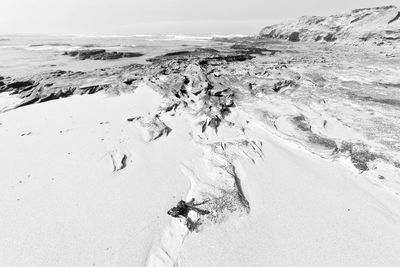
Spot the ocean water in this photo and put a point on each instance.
(27, 55)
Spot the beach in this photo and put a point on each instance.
(284, 153)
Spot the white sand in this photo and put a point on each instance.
(305, 211)
(62, 204)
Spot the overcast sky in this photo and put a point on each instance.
(161, 16)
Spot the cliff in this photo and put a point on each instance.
(380, 26)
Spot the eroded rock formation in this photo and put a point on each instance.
(373, 25)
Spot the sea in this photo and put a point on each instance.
(22, 56)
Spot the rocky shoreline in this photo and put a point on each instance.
(244, 135)
(207, 82)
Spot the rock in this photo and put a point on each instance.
(118, 160)
(203, 56)
(59, 84)
(318, 38)
(29, 101)
(134, 118)
(55, 95)
(91, 89)
(178, 53)
(249, 48)
(294, 37)
(153, 128)
(20, 84)
(395, 18)
(360, 155)
(372, 25)
(327, 143)
(282, 84)
(301, 123)
(193, 80)
(85, 54)
(130, 81)
(101, 54)
(330, 37)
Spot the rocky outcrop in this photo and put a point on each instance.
(204, 56)
(100, 54)
(207, 83)
(193, 80)
(59, 84)
(379, 25)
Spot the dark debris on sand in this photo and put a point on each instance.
(182, 209)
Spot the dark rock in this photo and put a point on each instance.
(360, 156)
(204, 56)
(197, 52)
(323, 141)
(101, 54)
(395, 18)
(56, 95)
(30, 100)
(20, 84)
(359, 18)
(206, 50)
(178, 53)
(330, 37)
(134, 118)
(294, 37)
(251, 49)
(18, 87)
(85, 54)
(282, 84)
(173, 107)
(50, 44)
(91, 89)
(129, 81)
(214, 123)
(373, 8)
(301, 123)
(360, 159)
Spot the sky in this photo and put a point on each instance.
(191, 17)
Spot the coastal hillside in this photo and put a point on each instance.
(380, 26)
